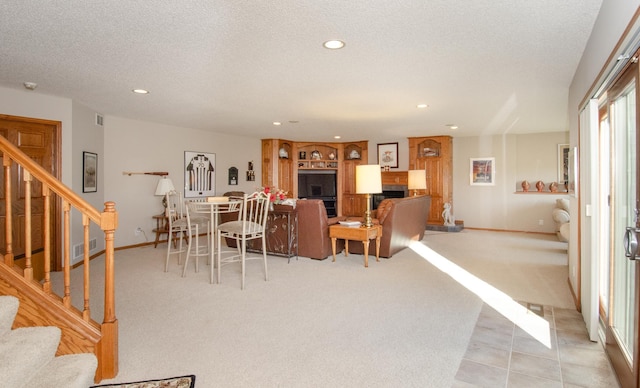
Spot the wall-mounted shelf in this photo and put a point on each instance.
(541, 192)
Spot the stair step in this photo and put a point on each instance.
(69, 371)
(24, 351)
(8, 310)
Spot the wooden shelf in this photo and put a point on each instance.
(541, 192)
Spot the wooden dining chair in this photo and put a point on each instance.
(251, 224)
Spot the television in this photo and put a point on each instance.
(316, 184)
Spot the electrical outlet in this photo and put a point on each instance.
(138, 231)
(540, 222)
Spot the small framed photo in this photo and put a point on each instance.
(89, 172)
(563, 164)
(388, 155)
(482, 171)
(572, 183)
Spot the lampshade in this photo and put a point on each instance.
(368, 179)
(417, 180)
(164, 186)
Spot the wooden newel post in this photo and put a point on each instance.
(109, 342)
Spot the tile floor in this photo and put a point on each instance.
(501, 354)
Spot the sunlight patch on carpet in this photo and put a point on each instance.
(528, 321)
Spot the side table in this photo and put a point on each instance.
(357, 234)
(162, 227)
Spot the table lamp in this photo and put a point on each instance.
(417, 181)
(164, 186)
(368, 181)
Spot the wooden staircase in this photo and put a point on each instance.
(39, 304)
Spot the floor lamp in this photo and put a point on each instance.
(417, 181)
(368, 181)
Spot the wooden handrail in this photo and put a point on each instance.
(43, 305)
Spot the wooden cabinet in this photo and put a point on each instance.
(283, 160)
(354, 155)
(277, 164)
(435, 156)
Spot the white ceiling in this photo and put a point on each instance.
(236, 66)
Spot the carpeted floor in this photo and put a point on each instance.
(400, 322)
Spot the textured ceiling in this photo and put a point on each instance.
(233, 66)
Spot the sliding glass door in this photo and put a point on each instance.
(622, 310)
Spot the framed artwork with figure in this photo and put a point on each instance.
(89, 172)
(388, 155)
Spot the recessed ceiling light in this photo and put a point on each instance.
(277, 123)
(293, 121)
(30, 85)
(452, 126)
(422, 106)
(140, 91)
(337, 137)
(333, 44)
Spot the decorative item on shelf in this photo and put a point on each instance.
(316, 155)
(525, 186)
(553, 187)
(283, 153)
(354, 154)
(417, 180)
(302, 155)
(429, 152)
(539, 186)
(368, 181)
(332, 155)
(164, 186)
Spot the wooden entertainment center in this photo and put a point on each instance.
(283, 160)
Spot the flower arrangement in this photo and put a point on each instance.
(275, 195)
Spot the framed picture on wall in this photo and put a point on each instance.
(563, 164)
(199, 174)
(482, 171)
(572, 185)
(388, 155)
(89, 172)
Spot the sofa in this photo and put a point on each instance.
(561, 217)
(403, 220)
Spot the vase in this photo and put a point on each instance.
(539, 185)
(525, 186)
(553, 187)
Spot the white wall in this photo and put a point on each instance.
(529, 157)
(140, 146)
(86, 137)
(518, 157)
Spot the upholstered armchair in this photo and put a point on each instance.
(313, 229)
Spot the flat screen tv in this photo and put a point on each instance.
(316, 184)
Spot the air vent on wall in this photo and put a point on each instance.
(99, 120)
(78, 250)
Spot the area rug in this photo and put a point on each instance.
(172, 382)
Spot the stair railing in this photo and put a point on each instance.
(106, 345)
